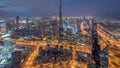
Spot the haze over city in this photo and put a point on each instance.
(24, 8)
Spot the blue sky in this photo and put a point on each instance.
(105, 8)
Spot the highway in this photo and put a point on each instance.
(29, 62)
(114, 47)
(107, 36)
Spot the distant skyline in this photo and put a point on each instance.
(26, 8)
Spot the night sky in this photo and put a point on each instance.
(104, 8)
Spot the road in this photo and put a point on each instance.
(114, 48)
(29, 62)
(114, 45)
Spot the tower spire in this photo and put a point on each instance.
(60, 13)
(60, 19)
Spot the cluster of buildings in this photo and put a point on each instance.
(40, 28)
(54, 54)
(76, 30)
(12, 56)
(8, 55)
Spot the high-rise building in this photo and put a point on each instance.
(17, 22)
(40, 50)
(27, 24)
(104, 57)
(5, 54)
(7, 44)
(95, 45)
(60, 14)
(16, 59)
(8, 26)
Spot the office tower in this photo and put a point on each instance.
(60, 21)
(27, 24)
(60, 14)
(7, 44)
(95, 45)
(16, 59)
(8, 26)
(40, 50)
(17, 22)
(104, 57)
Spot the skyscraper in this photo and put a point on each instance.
(95, 45)
(16, 59)
(60, 14)
(27, 24)
(17, 22)
(60, 21)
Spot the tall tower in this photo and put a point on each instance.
(104, 57)
(95, 45)
(17, 22)
(7, 44)
(27, 24)
(60, 14)
(60, 20)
